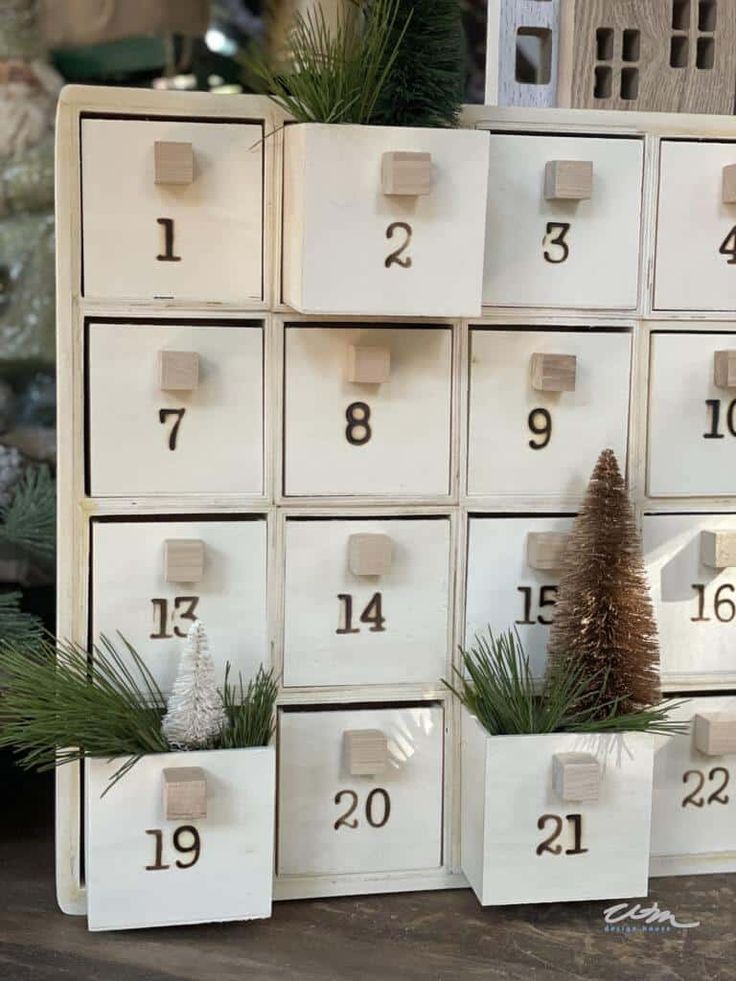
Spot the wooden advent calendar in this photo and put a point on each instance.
(349, 492)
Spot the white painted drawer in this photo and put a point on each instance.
(692, 422)
(695, 604)
(695, 794)
(143, 870)
(596, 263)
(348, 248)
(344, 627)
(332, 823)
(693, 225)
(503, 590)
(205, 440)
(130, 594)
(405, 451)
(530, 443)
(214, 223)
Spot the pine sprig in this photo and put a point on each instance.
(337, 70)
(497, 686)
(29, 520)
(16, 626)
(249, 710)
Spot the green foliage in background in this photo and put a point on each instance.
(29, 520)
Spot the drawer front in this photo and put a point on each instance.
(332, 823)
(349, 622)
(201, 240)
(346, 437)
(367, 233)
(695, 603)
(131, 594)
(562, 252)
(205, 438)
(694, 806)
(526, 439)
(503, 590)
(696, 228)
(222, 869)
(692, 420)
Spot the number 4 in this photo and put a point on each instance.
(728, 246)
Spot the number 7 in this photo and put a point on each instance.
(163, 415)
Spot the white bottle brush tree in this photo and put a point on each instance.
(195, 715)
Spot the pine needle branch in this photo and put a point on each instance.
(29, 520)
(16, 626)
(249, 710)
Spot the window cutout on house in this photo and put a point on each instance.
(533, 55)
(631, 45)
(629, 84)
(706, 52)
(678, 51)
(603, 82)
(707, 15)
(680, 15)
(604, 44)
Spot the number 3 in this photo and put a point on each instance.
(562, 228)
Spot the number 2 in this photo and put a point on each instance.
(394, 257)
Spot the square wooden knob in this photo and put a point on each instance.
(554, 372)
(173, 163)
(714, 733)
(729, 184)
(718, 549)
(185, 793)
(568, 180)
(366, 752)
(183, 560)
(369, 555)
(368, 364)
(178, 371)
(545, 549)
(576, 777)
(406, 172)
(724, 369)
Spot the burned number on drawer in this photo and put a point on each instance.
(728, 246)
(540, 423)
(163, 415)
(548, 845)
(194, 849)
(547, 597)
(373, 614)
(358, 430)
(168, 254)
(184, 608)
(714, 419)
(558, 230)
(716, 796)
(376, 815)
(394, 258)
(724, 607)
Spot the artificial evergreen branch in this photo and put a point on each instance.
(426, 83)
(29, 520)
(16, 626)
(604, 621)
(337, 71)
(195, 714)
(249, 710)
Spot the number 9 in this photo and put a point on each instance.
(544, 429)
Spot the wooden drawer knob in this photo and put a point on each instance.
(729, 184)
(545, 549)
(568, 180)
(366, 752)
(178, 371)
(183, 560)
(369, 555)
(185, 793)
(718, 549)
(554, 372)
(576, 776)
(724, 369)
(368, 365)
(406, 172)
(715, 733)
(173, 163)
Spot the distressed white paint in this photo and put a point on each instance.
(218, 218)
(508, 787)
(233, 876)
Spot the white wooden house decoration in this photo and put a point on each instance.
(450, 444)
(522, 52)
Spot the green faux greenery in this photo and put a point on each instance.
(426, 83)
(497, 686)
(62, 703)
(29, 520)
(337, 71)
(17, 627)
